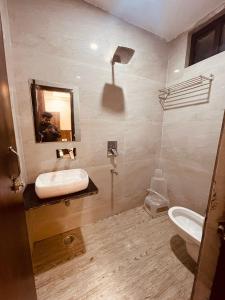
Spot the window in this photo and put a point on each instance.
(208, 41)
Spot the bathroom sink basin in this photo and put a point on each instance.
(60, 183)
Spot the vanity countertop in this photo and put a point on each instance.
(31, 200)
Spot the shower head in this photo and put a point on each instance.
(122, 55)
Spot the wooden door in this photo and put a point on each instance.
(218, 288)
(211, 265)
(16, 275)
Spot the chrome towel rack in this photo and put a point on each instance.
(190, 92)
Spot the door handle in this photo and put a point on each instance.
(17, 183)
(221, 229)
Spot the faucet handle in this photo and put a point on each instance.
(72, 153)
(112, 149)
(114, 152)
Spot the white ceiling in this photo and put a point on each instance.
(165, 18)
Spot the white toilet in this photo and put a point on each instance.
(189, 226)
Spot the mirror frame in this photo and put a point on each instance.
(75, 111)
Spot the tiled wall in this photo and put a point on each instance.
(51, 42)
(10, 73)
(190, 135)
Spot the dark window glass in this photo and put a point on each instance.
(208, 41)
(204, 46)
(222, 41)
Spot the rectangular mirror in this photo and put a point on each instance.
(55, 111)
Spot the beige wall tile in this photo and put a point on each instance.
(53, 45)
(190, 135)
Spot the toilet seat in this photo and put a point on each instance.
(189, 226)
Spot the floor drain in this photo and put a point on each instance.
(69, 239)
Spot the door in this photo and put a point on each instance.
(16, 275)
(218, 288)
(209, 282)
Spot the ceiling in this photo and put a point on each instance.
(165, 18)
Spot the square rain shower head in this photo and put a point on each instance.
(122, 55)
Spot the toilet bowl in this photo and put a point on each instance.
(189, 226)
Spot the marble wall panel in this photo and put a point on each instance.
(51, 42)
(190, 135)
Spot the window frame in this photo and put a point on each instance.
(217, 25)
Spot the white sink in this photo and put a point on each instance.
(60, 183)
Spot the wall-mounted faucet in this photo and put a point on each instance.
(72, 153)
(66, 153)
(114, 152)
(112, 149)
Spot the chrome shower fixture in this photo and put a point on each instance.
(122, 55)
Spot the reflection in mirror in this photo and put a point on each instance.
(55, 110)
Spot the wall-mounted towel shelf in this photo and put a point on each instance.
(190, 92)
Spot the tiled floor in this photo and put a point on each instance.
(128, 256)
